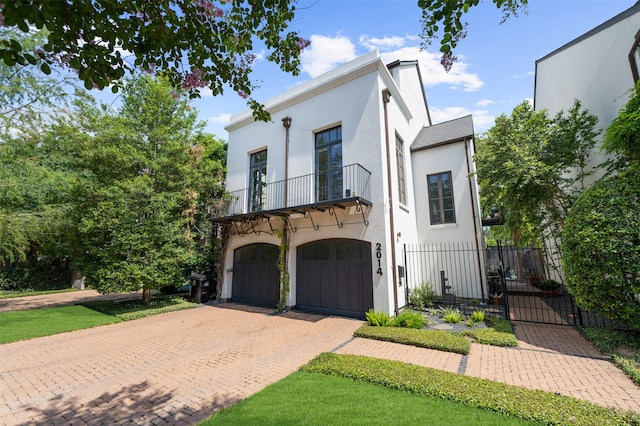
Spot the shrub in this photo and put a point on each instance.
(477, 317)
(409, 319)
(489, 336)
(422, 296)
(430, 339)
(451, 315)
(549, 285)
(377, 319)
(602, 248)
(534, 405)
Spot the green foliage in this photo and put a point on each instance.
(377, 319)
(532, 168)
(622, 346)
(127, 310)
(409, 319)
(451, 315)
(534, 405)
(422, 296)
(500, 325)
(149, 176)
(477, 317)
(549, 285)
(602, 248)
(446, 16)
(623, 134)
(194, 44)
(41, 276)
(489, 336)
(430, 339)
(283, 266)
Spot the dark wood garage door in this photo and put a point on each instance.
(256, 279)
(334, 277)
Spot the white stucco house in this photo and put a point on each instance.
(598, 68)
(351, 164)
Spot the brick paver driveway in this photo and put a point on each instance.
(176, 368)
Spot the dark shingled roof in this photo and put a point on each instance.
(444, 133)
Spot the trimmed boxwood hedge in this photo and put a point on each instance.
(533, 405)
(431, 339)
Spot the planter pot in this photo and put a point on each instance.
(549, 293)
(498, 300)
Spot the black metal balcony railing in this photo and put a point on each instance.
(343, 183)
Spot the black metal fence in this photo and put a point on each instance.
(516, 283)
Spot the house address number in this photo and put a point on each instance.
(379, 257)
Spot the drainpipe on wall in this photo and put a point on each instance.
(473, 215)
(386, 97)
(286, 122)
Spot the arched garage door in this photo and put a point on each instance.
(334, 277)
(256, 279)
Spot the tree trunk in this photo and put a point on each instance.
(146, 294)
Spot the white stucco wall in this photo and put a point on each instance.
(462, 264)
(352, 100)
(594, 69)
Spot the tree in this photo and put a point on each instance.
(622, 137)
(194, 44)
(602, 233)
(149, 176)
(448, 14)
(602, 248)
(533, 168)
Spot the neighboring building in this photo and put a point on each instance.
(351, 164)
(598, 68)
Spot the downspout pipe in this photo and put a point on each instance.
(286, 122)
(386, 97)
(473, 215)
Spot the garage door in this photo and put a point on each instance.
(256, 279)
(334, 277)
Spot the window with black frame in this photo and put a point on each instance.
(329, 180)
(441, 201)
(258, 181)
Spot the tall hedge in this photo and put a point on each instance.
(601, 241)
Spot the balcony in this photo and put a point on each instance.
(340, 187)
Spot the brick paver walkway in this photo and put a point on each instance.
(549, 357)
(181, 367)
(176, 368)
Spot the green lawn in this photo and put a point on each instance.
(20, 325)
(27, 324)
(318, 399)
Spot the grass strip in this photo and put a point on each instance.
(127, 310)
(316, 399)
(489, 336)
(27, 324)
(528, 404)
(430, 339)
(13, 295)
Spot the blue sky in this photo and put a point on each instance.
(494, 72)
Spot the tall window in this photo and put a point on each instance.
(329, 164)
(441, 205)
(258, 181)
(402, 184)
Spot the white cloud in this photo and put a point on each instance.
(525, 75)
(381, 44)
(220, 118)
(432, 71)
(482, 119)
(325, 53)
(484, 102)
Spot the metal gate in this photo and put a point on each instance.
(534, 291)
